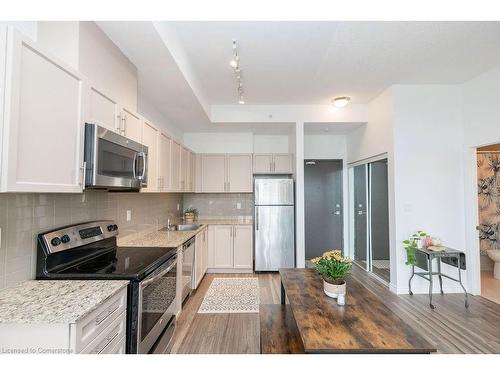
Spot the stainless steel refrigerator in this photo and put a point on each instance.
(274, 223)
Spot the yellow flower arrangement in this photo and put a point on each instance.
(333, 265)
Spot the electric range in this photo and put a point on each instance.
(89, 251)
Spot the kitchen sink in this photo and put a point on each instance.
(183, 227)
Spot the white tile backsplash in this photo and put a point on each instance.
(23, 216)
(220, 205)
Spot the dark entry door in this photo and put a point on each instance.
(323, 206)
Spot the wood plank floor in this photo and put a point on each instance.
(450, 327)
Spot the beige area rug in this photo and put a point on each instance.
(231, 295)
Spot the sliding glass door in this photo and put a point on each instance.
(360, 178)
(370, 217)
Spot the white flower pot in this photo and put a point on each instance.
(334, 290)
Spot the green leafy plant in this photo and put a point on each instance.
(333, 266)
(191, 210)
(410, 246)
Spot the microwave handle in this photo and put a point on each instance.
(133, 165)
(144, 165)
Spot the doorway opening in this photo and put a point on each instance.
(488, 187)
(324, 217)
(369, 222)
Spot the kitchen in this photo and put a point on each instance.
(121, 159)
(155, 193)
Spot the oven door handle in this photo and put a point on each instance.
(161, 274)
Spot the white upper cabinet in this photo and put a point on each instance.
(175, 165)
(262, 163)
(282, 163)
(43, 121)
(184, 173)
(150, 138)
(164, 162)
(131, 125)
(231, 173)
(103, 110)
(213, 179)
(239, 173)
(273, 163)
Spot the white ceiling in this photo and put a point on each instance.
(311, 62)
(288, 63)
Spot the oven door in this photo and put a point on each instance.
(157, 304)
(113, 161)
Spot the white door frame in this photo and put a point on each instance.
(472, 218)
(350, 242)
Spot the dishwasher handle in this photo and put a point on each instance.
(187, 244)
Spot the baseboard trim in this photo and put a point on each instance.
(229, 270)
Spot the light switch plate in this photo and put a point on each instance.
(178, 206)
(238, 206)
(129, 215)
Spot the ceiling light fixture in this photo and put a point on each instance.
(235, 64)
(341, 101)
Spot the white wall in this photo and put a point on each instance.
(101, 61)
(219, 142)
(237, 142)
(145, 108)
(269, 143)
(325, 146)
(481, 108)
(428, 171)
(375, 137)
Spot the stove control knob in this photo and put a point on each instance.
(56, 241)
(111, 227)
(115, 227)
(65, 238)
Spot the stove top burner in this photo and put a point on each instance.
(94, 266)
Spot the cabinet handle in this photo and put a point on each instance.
(228, 186)
(256, 218)
(234, 229)
(124, 120)
(84, 170)
(102, 317)
(119, 125)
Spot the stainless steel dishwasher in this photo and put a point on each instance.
(187, 267)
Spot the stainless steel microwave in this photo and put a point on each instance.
(112, 161)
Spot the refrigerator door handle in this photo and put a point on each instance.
(256, 218)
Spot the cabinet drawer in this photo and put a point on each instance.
(115, 348)
(93, 324)
(109, 337)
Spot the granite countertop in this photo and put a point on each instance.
(55, 301)
(164, 238)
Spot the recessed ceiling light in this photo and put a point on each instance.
(341, 101)
(233, 63)
(241, 101)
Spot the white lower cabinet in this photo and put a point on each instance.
(200, 257)
(101, 331)
(242, 248)
(230, 248)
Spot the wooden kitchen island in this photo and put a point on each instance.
(363, 325)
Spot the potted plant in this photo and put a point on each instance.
(411, 244)
(190, 214)
(333, 267)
